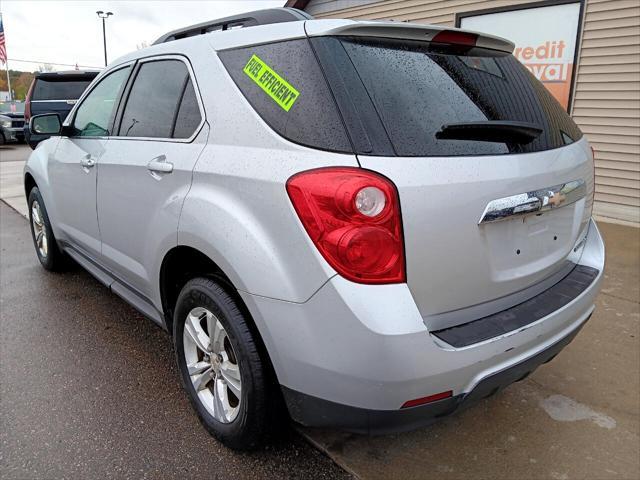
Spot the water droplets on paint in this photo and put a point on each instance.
(565, 409)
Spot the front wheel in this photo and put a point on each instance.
(220, 366)
(50, 256)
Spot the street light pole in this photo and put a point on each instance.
(103, 16)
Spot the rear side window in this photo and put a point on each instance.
(161, 103)
(417, 89)
(46, 89)
(188, 116)
(284, 84)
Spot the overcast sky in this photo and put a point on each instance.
(70, 32)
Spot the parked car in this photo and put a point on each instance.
(11, 122)
(377, 223)
(54, 92)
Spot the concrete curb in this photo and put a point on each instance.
(322, 448)
(14, 208)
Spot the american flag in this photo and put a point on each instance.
(3, 46)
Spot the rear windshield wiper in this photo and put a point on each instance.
(490, 131)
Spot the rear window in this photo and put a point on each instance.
(285, 85)
(46, 89)
(417, 90)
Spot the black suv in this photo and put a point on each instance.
(54, 92)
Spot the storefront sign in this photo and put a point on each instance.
(546, 37)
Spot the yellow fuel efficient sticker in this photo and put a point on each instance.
(273, 84)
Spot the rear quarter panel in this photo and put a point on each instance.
(238, 212)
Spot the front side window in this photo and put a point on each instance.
(162, 102)
(94, 115)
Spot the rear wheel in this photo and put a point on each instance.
(50, 256)
(219, 364)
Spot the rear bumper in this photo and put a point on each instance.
(523, 314)
(309, 410)
(367, 349)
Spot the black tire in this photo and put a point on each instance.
(55, 260)
(256, 409)
(2, 140)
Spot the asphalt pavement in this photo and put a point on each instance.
(89, 388)
(12, 159)
(577, 417)
(13, 152)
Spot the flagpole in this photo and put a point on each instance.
(9, 81)
(6, 64)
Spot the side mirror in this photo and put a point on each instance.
(46, 124)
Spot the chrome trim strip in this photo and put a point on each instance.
(534, 202)
(65, 100)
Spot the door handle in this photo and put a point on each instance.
(87, 162)
(159, 165)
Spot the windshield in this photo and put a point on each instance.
(421, 93)
(11, 107)
(46, 89)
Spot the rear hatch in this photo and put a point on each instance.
(495, 180)
(58, 92)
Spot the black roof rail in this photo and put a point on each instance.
(249, 19)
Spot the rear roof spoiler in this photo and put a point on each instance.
(67, 74)
(401, 30)
(249, 19)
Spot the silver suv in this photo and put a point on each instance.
(374, 224)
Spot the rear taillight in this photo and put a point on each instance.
(27, 103)
(353, 218)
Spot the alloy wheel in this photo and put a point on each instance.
(39, 229)
(212, 365)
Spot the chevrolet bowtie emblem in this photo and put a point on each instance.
(556, 199)
(534, 202)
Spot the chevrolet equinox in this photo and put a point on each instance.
(371, 224)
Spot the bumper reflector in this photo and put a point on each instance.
(429, 399)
